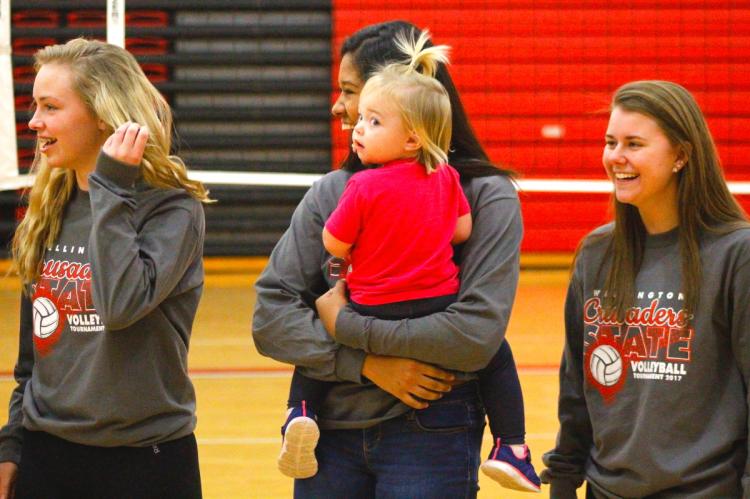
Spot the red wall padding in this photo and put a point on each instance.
(525, 66)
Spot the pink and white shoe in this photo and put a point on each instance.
(511, 470)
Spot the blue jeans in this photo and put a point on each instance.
(430, 453)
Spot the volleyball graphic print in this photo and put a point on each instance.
(606, 365)
(46, 317)
(62, 302)
(651, 344)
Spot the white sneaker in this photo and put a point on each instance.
(297, 457)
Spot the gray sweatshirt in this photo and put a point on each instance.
(104, 336)
(656, 407)
(462, 338)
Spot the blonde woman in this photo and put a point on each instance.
(653, 382)
(110, 255)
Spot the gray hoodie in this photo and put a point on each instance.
(462, 338)
(104, 335)
(657, 407)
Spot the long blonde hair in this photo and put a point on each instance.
(112, 85)
(421, 99)
(703, 200)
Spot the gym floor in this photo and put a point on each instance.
(242, 395)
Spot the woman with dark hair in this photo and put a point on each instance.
(373, 438)
(653, 382)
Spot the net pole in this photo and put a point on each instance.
(116, 22)
(8, 141)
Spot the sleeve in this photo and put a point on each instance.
(345, 222)
(11, 434)
(565, 463)
(469, 332)
(463, 203)
(740, 324)
(285, 324)
(135, 268)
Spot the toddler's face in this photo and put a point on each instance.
(380, 135)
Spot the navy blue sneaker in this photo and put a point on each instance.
(301, 434)
(511, 471)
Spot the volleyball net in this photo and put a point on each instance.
(10, 177)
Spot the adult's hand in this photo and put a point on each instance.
(412, 382)
(8, 472)
(127, 143)
(329, 304)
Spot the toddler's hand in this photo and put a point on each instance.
(127, 143)
(329, 304)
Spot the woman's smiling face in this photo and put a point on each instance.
(350, 85)
(641, 161)
(68, 133)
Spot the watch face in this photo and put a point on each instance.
(337, 268)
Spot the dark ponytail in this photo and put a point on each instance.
(373, 47)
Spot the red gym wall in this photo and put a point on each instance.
(536, 78)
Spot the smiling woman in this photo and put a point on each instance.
(346, 106)
(111, 246)
(68, 133)
(656, 315)
(376, 383)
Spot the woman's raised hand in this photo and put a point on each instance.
(127, 143)
(412, 382)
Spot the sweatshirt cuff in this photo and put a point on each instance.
(121, 174)
(349, 364)
(560, 487)
(10, 451)
(351, 329)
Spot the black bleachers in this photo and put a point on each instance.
(249, 82)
